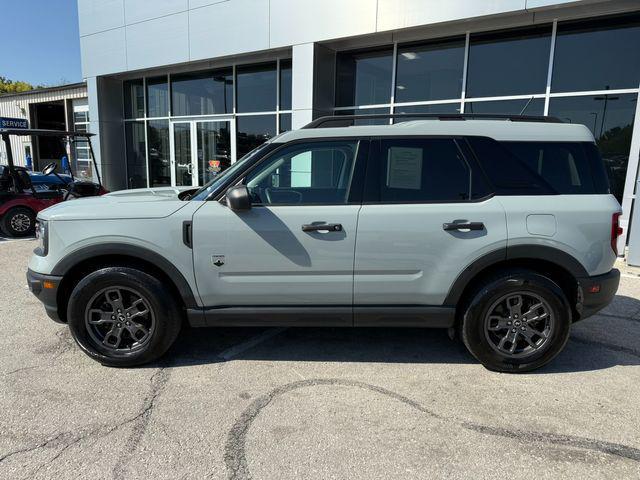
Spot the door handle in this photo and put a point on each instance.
(316, 227)
(463, 226)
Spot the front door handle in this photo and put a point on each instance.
(463, 226)
(316, 227)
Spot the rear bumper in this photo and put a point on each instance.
(45, 288)
(595, 293)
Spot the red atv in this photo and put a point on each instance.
(20, 202)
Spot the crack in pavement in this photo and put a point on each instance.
(71, 438)
(158, 383)
(235, 456)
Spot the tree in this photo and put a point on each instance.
(11, 86)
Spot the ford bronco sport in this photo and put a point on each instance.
(502, 230)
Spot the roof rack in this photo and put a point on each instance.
(349, 120)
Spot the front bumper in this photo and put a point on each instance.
(595, 293)
(45, 288)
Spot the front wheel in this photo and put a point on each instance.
(19, 222)
(123, 317)
(517, 322)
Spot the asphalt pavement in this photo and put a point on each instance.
(314, 403)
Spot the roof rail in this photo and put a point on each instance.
(349, 120)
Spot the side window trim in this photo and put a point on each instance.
(372, 193)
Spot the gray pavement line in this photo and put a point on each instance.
(609, 346)
(235, 456)
(142, 422)
(249, 344)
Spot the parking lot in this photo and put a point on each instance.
(314, 403)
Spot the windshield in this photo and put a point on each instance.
(220, 179)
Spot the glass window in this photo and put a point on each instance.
(159, 163)
(564, 166)
(507, 175)
(285, 84)
(441, 108)
(257, 87)
(214, 149)
(157, 97)
(363, 78)
(202, 93)
(421, 170)
(597, 55)
(136, 155)
(312, 174)
(285, 122)
(80, 116)
(610, 119)
(133, 99)
(363, 111)
(507, 107)
(253, 131)
(509, 63)
(430, 72)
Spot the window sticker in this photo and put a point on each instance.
(404, 168)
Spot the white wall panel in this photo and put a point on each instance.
(162, 41)
(226, 28)
(303, 21)
(141, 10)
(99, 15)
(547, 3)
(103, 53)
(393, 14)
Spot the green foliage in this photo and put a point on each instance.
(11, 86)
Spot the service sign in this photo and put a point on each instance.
(7, 122)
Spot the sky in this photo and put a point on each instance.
(39, 41)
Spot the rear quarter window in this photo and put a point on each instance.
(541, 168)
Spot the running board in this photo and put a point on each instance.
(321, 316)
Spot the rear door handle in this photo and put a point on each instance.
(463, 226)
(316, 227)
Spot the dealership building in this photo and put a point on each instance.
(180, 88)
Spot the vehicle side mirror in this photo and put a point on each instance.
(238, 198)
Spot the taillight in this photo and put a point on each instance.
(616, 231)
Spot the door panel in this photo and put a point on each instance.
(405, 254)
(295, 246)
(405, 257)
(269, 260)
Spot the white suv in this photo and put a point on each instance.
(502, 230)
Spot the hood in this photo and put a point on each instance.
(123, 204)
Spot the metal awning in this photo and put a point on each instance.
(43, 133)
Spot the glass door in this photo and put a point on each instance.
(201, 149)
(182, 165)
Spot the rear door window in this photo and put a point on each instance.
(421, 170)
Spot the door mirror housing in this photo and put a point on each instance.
(238, 198)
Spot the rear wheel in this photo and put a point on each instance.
(19, 222)
(518, 321)
(123, 317)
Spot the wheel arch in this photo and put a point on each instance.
(551, 262)
(81, 262)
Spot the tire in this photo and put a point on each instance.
(19, 222)
(504, 340)
(98, 311)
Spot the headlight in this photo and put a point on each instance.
(42, 235)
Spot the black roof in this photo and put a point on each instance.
(43, 133)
